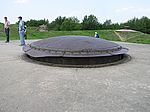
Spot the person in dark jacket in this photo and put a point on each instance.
(96, 35)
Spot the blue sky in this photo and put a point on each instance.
(116, 10)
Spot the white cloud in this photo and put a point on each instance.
(125, 9)
(142, 10)
(133, 10)
(22, 1)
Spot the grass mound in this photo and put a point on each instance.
(33, 33)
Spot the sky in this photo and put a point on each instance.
(116, 10)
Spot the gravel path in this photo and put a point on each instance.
(30, 87)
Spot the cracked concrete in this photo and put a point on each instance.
(30, 87)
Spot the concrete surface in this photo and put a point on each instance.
(30, 87)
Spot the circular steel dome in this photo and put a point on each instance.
(75, 50)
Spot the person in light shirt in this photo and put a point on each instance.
(21, 29)
(6, 29)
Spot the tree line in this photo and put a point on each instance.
(90, 22)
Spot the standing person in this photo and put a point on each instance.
(21, 30)
(6, 29)
(96, 35)
(25, 32)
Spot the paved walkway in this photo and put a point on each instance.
(30, 87)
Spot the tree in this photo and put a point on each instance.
(142, 24)
(71, 23)
(107, 24)
(37, 23)
(90, 23)
(56, 25)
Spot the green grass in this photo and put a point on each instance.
(33, 33)
(143, 38)
(135, 37)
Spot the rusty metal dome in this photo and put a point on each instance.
(75, 50)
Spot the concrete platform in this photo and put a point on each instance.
(30, 87)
